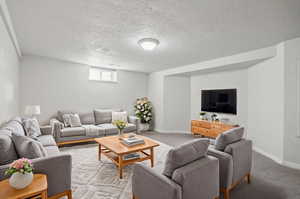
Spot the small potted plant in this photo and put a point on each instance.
(21, 173)
(202, 115)
(214, 117)
(120, 124)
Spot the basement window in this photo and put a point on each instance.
(104, 75)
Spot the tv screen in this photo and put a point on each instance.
(219, 101)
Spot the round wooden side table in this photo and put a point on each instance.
(37, 189)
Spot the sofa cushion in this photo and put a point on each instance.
(109, 128)
(129, 128)
(60, 114)
(26, 147)
(185, 154)
(52, 150)
(15, 127)
(32, 127)
(103, 116)
(87, 118)
(121, 115)
(73, 131)
(46, 140)
(229, 137)
(8, 152)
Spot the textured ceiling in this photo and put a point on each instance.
(189, 31)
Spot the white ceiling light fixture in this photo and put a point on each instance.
(148, 43)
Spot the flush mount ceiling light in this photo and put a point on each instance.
(148, 43)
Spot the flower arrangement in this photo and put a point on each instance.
(143, 110)
(120, 124)
(22, 166)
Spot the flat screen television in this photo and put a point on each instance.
(219, 101)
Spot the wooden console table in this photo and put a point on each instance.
(209, 128)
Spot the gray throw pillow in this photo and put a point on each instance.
(185, 154)
(67, 120)
(60, 114)
(229, 137)
(87, 118)
(103, 116)
(32, 127)
(26, 147)
(75, 120)
(8, 152)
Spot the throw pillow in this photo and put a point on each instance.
(32, 127)
(229, 137)
(67, 120)
(103, 116)
(75, 120)
(8, 153)
(119, 116)
(185, 154)
(26, 147)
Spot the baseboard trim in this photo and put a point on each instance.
(171, 131)
(272, 157)
(291, 165)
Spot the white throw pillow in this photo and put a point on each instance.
(75, 120)
(67, 120)
(32, 127)
(119, 116)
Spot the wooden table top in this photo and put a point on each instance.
(114, 144)
(38, 185)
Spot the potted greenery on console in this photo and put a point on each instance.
(143, 110)
(21, 172)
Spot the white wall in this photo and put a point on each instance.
(177, 104)
(266, 105)
(222, 80)
(155, 94)
(57, 85)
(292, 102)
(9, 76)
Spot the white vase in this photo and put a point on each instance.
(144, 127)
(20, 180)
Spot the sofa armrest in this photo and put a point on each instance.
(57, 126)
(147, 184)
(199, 178)
(225, 166)
(46, 130)
(58, 171)
(134, 120)
(241, 153)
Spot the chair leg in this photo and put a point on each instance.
(248, 178)
(69, 194)
(226, 193)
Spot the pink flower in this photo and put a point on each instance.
(20, 163)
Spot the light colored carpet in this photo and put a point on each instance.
(93, 179)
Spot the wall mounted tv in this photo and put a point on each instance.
(219, 101)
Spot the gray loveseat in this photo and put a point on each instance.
(55, 165)
(96, 123)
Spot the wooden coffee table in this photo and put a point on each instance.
(112, 148)
(37, 189)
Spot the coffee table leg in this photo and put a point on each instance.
(44, 195)
(152, 157)
(120, 166)
(99, 152)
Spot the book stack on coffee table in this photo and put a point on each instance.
(132, 141)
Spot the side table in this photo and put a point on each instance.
(37, 189)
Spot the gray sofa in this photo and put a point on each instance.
(55, 165)
(96, 123)
(189, 173)
(235, 158)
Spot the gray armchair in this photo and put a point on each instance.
(189, 173)
(235, 159)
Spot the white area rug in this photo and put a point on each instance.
(93, 179)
